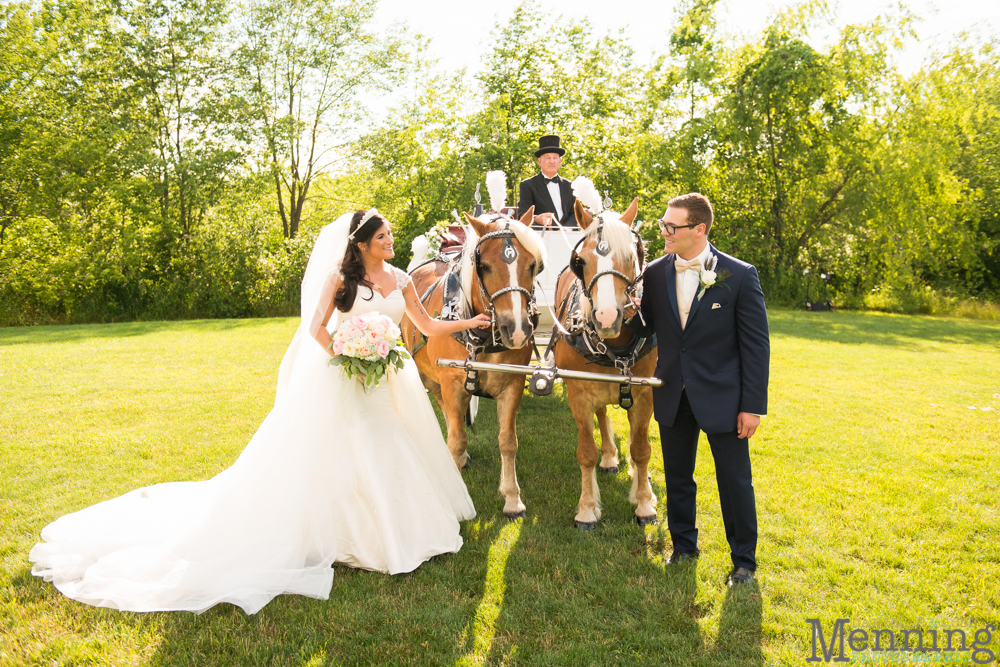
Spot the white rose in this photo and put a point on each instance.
(708, 278)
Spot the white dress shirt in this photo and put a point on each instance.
(688, 283)
(553, 189)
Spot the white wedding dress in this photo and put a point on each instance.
(333, 475)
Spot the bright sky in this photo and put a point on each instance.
(460, 29)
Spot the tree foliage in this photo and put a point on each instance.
(175, 158)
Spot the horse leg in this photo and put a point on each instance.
(507, 404)
(454, 402)
(587, 455)
(640, 451)
(609, 448)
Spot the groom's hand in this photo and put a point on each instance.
(630, 311)
(746, 424)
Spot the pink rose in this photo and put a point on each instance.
(382, 348)
(338, 347)
(378, 328)
(372, 337)
(352, 331)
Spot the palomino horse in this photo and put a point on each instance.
(592, 295)
(495, 274)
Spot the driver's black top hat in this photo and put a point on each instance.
(549, 144)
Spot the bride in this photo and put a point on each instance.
(333, 474)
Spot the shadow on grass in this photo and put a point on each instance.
(80, 332)
(740, 635)
(535, 591)
(881, 328)
(571, 597)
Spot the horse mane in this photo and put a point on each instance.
(617, 234)
(526, 236)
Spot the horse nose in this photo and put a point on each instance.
(513, 336)
(518, 338)
(606, 317)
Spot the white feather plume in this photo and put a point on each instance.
(586, 192)
(496, 186)
(419, 247)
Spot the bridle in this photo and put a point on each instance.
(473, 339)
(509, 254)
(594, 343)
(603, 249)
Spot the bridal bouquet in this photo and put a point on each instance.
(365, 347)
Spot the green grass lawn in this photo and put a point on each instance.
(876, 478)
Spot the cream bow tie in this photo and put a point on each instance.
(682, 265)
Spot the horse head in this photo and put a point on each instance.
(501, 259)
(607, 260)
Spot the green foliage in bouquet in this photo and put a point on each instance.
(370, 372)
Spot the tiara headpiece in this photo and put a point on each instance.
(369, 214)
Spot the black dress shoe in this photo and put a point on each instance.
(679, 557)
(740, 576)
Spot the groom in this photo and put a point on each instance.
(707, 310)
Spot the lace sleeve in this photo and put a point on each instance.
(402, 278)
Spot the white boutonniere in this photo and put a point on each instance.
(709, 277)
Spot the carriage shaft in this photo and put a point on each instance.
(515, 369)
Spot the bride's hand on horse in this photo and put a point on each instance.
(482, 321)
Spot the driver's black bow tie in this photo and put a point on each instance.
(554, 179)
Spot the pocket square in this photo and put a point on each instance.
(716, 305)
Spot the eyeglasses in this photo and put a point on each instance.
(671, 229)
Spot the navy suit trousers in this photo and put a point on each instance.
(732, 472)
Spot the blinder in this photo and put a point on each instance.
(576, 264)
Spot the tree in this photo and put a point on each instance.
(795, 138)
(176, 72)
(304, 66)
(954, 108)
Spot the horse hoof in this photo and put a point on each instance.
(584, 526)
(516, 515)
(613, 470)
(645, 520)
(468, 464)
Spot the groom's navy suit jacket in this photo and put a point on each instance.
(721, 357)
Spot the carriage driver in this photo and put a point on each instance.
(548, 192)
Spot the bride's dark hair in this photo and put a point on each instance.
(353, 266)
